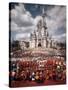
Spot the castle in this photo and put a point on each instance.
(40, 36)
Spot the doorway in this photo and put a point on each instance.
(39, 45)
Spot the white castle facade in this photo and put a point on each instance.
(40, 37)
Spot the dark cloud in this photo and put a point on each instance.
(25, 16)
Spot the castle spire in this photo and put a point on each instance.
(43, 16)
(43, 10)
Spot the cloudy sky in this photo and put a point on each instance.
(24, 17)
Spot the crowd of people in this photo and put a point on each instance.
(20, 54)
(52, 68)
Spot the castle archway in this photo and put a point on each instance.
(39, 44)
